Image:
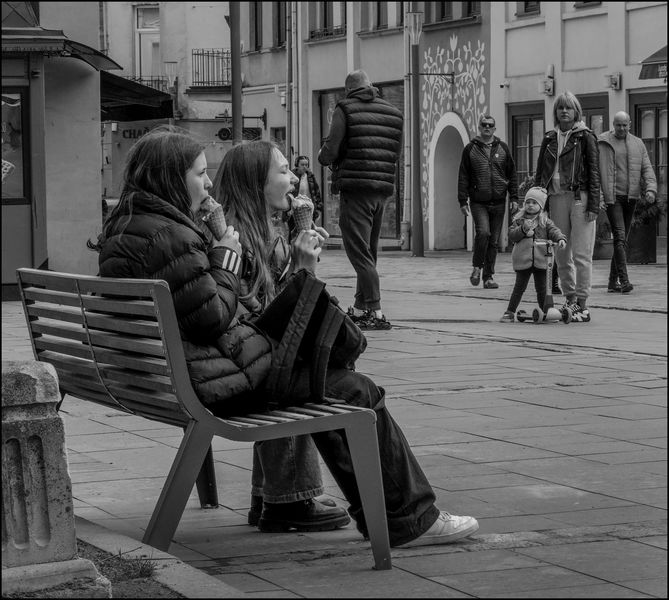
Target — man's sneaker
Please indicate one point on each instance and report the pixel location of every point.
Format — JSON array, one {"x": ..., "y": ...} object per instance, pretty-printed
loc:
[
  {"x": 446, "y": 529},
  {"x": 614, "y": 287},
  {"x": 507, "y": 317},
  {"x": 626, "y": 288},
  {"x": 579, "y": 314},
  {"x": 475, "y": 277},
  {"x": 557, "y": 290},
  {"x": 372, "y": 322},
  {"x": 489, "y": 284}
]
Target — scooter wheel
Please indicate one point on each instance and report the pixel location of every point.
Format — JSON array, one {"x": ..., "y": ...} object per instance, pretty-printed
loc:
[
  {"x": 537, "y": 315},
  {"x": 522, "y": 316},
  {"x": 566, "y": 316}
]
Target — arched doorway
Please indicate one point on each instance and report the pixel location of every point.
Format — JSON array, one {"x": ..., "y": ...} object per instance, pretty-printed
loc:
[{"x": 448, "y": 229}]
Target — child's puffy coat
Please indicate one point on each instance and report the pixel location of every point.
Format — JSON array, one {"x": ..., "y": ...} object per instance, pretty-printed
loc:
[{"x": 525, "y": 254}]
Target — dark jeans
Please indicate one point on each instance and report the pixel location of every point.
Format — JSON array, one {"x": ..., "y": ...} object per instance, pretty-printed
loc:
[
  {"x": 620, "y": 216},
  {"x": 360, "y": 219},
  {"x": 488, "y": 220},
  {"x": 410, "y": 508},
  {"x": 522, "y": 279}
]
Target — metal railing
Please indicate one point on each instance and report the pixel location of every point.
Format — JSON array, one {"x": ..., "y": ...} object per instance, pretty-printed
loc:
[
  {"x": 157, "y": 83},
  {"x": 211, "y": 67},
  {"x": 319, "y": 34}
]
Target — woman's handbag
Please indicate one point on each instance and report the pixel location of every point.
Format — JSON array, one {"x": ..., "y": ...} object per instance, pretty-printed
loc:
[{"x": 308, "y": 322}]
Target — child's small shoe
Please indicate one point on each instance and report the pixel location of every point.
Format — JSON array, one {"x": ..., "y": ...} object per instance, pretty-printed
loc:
[{"x": 507, "y": 317}]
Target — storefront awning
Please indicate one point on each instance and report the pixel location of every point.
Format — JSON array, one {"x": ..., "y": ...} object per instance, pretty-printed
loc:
[
  {"x": 52, "y": 42},
  {"x": 125, "y": 100},
  {"x": 655, "y": 66}
]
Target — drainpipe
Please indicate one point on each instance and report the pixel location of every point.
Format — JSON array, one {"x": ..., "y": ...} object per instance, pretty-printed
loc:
[
  {"x": 235, "y": 74},
  {"x": 296, "y": 75},
  {"x": 289, "y": 84}
]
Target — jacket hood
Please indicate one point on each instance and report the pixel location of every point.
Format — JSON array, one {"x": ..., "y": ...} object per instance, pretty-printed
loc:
[
  {"x": 578, "y": 126},
  {"x": 366, "y": 94}
]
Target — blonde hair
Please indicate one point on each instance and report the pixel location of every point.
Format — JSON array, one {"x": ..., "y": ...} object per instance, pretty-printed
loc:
[{"x": 569, "y": 100}]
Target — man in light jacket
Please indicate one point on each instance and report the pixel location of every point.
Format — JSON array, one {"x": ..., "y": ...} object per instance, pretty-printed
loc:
[{"x": 626, "y": 176}]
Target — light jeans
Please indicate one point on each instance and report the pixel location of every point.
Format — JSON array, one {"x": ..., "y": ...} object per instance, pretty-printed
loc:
[{"x": 574, "y": 261}]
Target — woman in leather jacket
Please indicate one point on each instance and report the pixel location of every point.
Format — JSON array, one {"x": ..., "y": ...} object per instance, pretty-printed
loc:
[{"x": 568, "y": 167}]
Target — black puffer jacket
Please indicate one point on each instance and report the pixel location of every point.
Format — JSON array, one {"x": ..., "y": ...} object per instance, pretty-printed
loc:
[
  {"x": 372, "y": 145},
  {"x": 486, "y": 179},
  {"x": 227, "y": 360}
]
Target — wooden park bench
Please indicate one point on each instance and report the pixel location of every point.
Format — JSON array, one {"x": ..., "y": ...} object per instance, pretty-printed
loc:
[{"x": 116, "y": 342}]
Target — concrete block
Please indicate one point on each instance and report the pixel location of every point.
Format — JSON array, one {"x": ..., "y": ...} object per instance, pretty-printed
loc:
[
  {"x": 76, "y": 578},
  {"x": 37, "y": 512}
]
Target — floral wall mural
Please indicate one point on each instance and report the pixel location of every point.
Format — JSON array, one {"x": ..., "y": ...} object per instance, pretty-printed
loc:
[{"x": 462, "y": 92}]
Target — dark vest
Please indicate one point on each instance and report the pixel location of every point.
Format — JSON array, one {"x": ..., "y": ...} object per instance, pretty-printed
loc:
[{"x": 373, "y": 144}]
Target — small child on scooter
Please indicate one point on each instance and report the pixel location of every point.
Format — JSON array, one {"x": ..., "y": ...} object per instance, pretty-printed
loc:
[{"x": 529, "y": 224}]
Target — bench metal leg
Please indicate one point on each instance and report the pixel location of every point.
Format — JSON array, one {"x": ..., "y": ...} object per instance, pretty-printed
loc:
[
  {"x": 178, "y": 486},
  {"x": 206, "y": 482},
  {"x": 364, "y": 446}
]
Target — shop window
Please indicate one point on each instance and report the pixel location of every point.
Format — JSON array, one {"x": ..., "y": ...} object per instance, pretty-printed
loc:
[
  {"x": 278, "y": 136},
  {"x": 527, "y": 132},
  {"x": 15, "y": 155},
  {"x": 651, "y": 127}
]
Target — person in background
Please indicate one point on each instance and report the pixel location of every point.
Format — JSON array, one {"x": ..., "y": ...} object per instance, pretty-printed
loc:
[
  {"x": 307, "y": 185},
  {"x": 487, "y": 173},
  {"x": 362, "y": 149},
  {"x": 529, "y": 224},
  {"x": 626, "y": 177},
  {"x": 568, "y": 167}
]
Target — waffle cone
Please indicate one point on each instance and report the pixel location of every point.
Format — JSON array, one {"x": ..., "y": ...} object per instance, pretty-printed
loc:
[
  {"x": 303, "y": 216},
  {"x": 215, "y": 220}
]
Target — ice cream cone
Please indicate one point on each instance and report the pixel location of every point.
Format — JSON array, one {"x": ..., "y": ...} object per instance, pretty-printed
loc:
[
  {"x": 303, "y": 213},
  {"x": 214, "y": 219}
]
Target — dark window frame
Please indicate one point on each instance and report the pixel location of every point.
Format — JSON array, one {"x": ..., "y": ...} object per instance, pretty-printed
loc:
[
  {"x": 255, "y": 26},
  {"x": 26, "y": 152},
  {"x": 279, "y": 20},
  {"x": 526, "y": 9}
]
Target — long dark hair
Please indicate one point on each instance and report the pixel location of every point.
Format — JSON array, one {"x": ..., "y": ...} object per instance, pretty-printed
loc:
[
  {"x": 239, "y": 185},
  {"x": 156, "y": 164}
]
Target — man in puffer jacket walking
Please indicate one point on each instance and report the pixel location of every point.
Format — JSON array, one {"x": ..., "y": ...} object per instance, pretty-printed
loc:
[
  {"x": 362, "y": 149},
  {"x": 487, "y": 173},
  {"x": 626, "y": 177}
]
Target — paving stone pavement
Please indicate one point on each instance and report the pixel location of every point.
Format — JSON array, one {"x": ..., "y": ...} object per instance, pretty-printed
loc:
[{"x": 553, "y": 436}]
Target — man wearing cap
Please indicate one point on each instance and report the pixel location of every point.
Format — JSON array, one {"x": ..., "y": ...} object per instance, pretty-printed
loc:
[
  {"x": 487, "y": 173},
  {"x": 362, "y": 149}
]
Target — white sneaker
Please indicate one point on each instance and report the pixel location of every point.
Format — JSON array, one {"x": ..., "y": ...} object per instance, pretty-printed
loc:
[{"x": 446, "y": 529}]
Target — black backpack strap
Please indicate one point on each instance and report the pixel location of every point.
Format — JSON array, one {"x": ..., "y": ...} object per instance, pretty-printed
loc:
[
  {"x": 332, "y": 322},
  {"x": 283, "y": 357}
]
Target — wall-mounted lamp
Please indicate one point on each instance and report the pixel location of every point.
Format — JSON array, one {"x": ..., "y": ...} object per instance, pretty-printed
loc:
[
  {"x": 614, "y": 81},
  {"x": 547, "y": 86},
  {"x": 504, "y": 84}
]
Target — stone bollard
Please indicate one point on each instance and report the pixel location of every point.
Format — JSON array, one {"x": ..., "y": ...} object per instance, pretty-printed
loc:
[{"x": 38, "y": 538}]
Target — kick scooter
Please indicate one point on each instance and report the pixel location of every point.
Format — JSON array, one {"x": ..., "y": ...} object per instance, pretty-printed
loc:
[{"x": 547, "y": 313}]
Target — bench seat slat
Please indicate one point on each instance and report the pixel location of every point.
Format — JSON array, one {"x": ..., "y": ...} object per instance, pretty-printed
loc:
[{"x": 103, "y": 355}]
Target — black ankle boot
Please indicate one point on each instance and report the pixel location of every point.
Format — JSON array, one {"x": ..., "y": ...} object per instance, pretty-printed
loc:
[
  {"x": 256, "y": 508},
  {"x": 304, "y": 515}
]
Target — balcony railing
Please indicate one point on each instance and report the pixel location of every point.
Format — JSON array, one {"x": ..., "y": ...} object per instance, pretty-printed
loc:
[
  {"x": 157, "y": 83},
  {"x": 211, "y": 67},
  {"x": 320, "y": 34}
]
